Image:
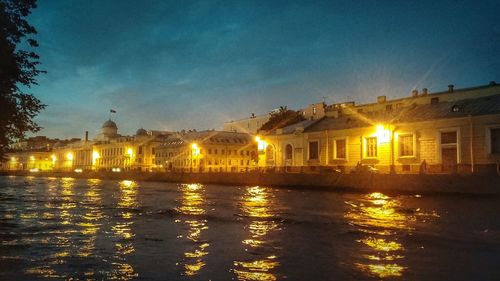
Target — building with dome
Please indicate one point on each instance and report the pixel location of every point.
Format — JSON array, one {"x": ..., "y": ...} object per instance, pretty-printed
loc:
[
  {"x": 109, "y": 130},
  {"x": 109, "y": 151}
]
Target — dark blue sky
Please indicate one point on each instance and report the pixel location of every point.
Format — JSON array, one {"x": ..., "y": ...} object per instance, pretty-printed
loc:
[{"x": 174, "y": 65}]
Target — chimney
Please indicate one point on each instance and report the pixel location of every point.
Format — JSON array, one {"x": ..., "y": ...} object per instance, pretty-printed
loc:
[
  {"x": 86, "y": 136},
  {"x": 414, "y": 93},
  {"x": 381, "y": 99},
  {"x": 450, "y": 88},
  {"x": 425, "y": 92}
]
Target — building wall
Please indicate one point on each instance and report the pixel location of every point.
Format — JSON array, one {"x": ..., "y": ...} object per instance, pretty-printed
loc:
[
  {"x": 208, "y": 151},
  {"x": 28, "y": 160},
  {"x": 426, "y": 146},
  {"x": 248, "y": 125}
]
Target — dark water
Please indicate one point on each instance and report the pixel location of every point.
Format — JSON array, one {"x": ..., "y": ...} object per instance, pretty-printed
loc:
[{"x": 72, "y": 229}]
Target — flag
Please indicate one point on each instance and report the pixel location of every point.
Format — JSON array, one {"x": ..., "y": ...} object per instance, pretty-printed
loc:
[{"x": 112, "y": 111}]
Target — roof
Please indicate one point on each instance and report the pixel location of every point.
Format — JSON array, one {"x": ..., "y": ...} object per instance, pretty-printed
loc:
[
  {"x": 413, "y": 113},
  {"x": 141, "y": 132},
  {"x": 109, "y": 124},
  {"x": 208, "y": 137}
]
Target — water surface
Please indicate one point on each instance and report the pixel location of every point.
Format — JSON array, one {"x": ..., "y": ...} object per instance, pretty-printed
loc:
[{"x": 78, "y": 229}]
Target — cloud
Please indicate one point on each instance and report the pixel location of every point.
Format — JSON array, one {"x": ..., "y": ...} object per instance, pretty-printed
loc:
[{"x": 195, "y": 64}]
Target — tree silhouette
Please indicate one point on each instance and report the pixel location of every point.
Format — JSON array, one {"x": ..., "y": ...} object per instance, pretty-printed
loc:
[
  {"x": 18, "y": 72},
  {"x": 281, "y": 118}
]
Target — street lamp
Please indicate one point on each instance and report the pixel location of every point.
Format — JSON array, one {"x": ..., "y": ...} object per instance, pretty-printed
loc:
[{"x": 195, "y": 151}]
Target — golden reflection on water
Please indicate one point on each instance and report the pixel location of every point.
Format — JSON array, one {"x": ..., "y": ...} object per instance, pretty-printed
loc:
[
  {"x": 91, "y": 218},
  {"x": 123, "y": 231},
  {"x": 256, "y": 204},
  {"x": 192, "y": 203},
  {"x": 379, "y": 216},
  {"x": 61, "y": 206}
]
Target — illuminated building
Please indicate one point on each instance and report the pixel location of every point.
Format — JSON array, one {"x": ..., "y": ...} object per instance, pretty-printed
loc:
[
  {"x": 207, "y": 151},
  {"x": 109, "y": 152},
  {"x": 446, "y": 132},
  {"x": 28, "y": 161},
  {"x": 112, "y": 151}
]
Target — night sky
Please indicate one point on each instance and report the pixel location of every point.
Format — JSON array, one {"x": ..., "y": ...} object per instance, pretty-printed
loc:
[{"x": 195, "y": 64}]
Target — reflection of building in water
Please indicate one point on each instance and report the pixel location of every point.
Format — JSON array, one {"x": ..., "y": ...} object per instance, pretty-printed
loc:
[
  {"x": 379, "y": 217},
  {"x": 91, "y": 219},
  {"x": 256, "y": 205},
  {"x": 192, "y": 204},
  {"x": 123, "y": 231},
  {"x": 61, "y": 198}
]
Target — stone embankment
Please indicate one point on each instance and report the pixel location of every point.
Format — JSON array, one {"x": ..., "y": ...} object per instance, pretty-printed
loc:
[{"x": 360, "y": 182}]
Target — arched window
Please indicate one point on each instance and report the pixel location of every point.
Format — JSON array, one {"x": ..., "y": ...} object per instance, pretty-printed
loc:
[
  {"x": 288, "y": 152},
  {"x": 270, "y": 152}
]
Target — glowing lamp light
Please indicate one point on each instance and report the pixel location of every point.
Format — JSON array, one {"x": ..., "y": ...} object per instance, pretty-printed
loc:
[
  {"x": 32, "y": 158},
  {"x": 53, "y": 157},
  {"x": 95, "y": 155},
  {"x": 130, "y": 152},
  {"x": 13, "y": 159},
  {"x": 195, "y": 149},
  {"x": 69, "y": 156},
  {"x": 383, "y": 134},
  {"x": 261, "y": 144}
]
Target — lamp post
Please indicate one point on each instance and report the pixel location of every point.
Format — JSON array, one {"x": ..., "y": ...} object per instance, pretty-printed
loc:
[{"x": 195, "y": 150}]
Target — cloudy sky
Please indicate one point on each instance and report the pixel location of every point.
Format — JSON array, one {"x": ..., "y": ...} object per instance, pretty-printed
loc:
[{"x": 172, "y": 65}]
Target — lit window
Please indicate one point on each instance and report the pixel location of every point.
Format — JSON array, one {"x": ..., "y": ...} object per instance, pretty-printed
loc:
[
  {"x": 340, "y": 149},
  {"x": 371, "y": 147},
  {"x": 313, "y": 150},
  {"x": 495, "y": 141},
  {"x": 406, "y": 145}
]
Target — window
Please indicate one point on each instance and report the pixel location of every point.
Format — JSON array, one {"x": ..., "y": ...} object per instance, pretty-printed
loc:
[
  {"x": 371, "y": 147},
  {"x": 270, "y": 152},
  {"x": 209, "y": 151},
  {"x": 495, "y": 141},
  {"x": 314, "y": 110},
  {"x": 313, "y": 150},
  {"x": 388, "y": 107},
  {"x": 406, "y": 145},
  {"x": 449, "y": 137},
  {"x": 340, "y": 149},
  {"x": 288, "y": 152}
]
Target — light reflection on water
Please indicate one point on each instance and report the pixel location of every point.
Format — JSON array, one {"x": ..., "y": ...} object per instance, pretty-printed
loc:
[
  {"x": 75, "y": 229},
  {"x": 256, "y": 205},
  {"x": 379, "y": 217},
  {"x": 192, "y": 204},
  {"x": 123, "y": 234}
]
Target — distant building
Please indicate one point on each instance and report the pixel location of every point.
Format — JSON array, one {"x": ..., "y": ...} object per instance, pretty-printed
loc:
[
  {"x": 207, "y": 151},
  {"x": 248, "y": 125},
  {"x": 446, "y": 132},
  {"x": 108, "y": 151}
]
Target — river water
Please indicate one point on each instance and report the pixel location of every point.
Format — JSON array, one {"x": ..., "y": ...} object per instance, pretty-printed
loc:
[{"x": 79, "y": 229}]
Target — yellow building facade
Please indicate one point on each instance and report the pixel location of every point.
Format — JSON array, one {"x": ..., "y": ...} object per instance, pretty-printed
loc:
[
  {"x": 207, "y": 151},
  {"x": 28, "y": 161},
  {"x": 454, "y": 131}
]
